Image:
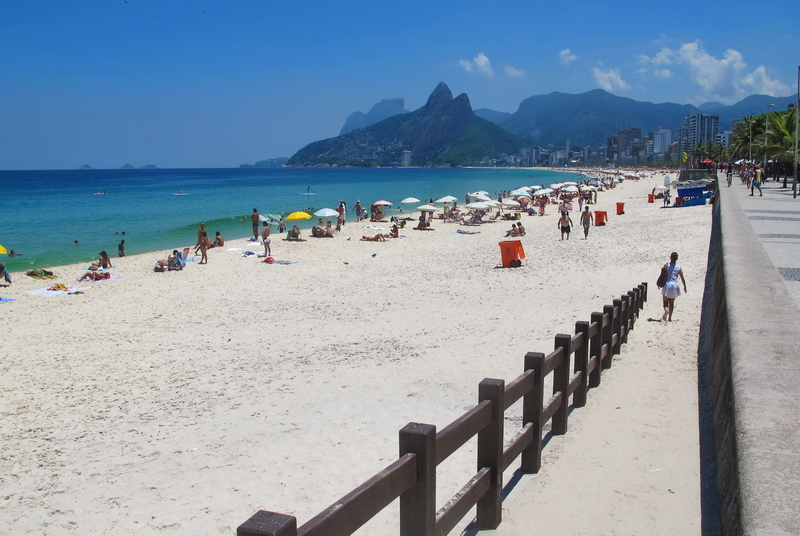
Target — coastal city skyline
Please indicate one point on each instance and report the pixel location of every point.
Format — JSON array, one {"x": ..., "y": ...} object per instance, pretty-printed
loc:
[{"x": 201, "y": 84}]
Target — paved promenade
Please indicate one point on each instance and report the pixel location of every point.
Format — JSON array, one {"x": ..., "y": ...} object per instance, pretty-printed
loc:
[
  {"x": 749, "y": 339},
  {"x": 775, "y": 218}
]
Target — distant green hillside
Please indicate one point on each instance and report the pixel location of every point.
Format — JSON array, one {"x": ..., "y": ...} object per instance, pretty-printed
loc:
[
  {"x": 443, "y": 132},
  {"x": 589, "y": 118}
]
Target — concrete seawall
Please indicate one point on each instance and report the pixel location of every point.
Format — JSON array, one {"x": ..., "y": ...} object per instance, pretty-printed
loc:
[{"x": 751, "y": 325}]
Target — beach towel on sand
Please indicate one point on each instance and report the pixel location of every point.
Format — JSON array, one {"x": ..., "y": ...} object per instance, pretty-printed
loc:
[
  {"x": 48, "y": 292},
  {"x": 270, "y": 260},
  {"x": 6, "y": 299}
]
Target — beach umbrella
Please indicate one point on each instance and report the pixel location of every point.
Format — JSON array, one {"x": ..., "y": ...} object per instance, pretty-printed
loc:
[
  {"x": 446, "y": 199},
  {"x": 519, "y": 191},
  {"x": 3, "y": 250},
  {"x": 382, "y": 203},
  {"x": 535, "y": 187},
  {"x": 569, "y": 183},
  {"x": 426, "y": 208},
  {"x": 543, "y": 191},
  {"x": 480, "y": 196},
  {"x": 300, "y": 215},
  {"x": 570, "y": 188},
  {"x": 662, "y": 187},
  {"x": 480, "y": 205},
  {"x": 409, "y": 201},
  {"x": 326, "y": 213},
  {"x": 510, "y": 203}
]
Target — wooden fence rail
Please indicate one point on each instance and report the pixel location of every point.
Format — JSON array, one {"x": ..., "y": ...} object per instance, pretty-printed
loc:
[{"x": 412, "y": 477}]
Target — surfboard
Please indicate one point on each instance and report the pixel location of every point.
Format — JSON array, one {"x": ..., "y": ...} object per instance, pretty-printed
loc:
[{"x": 308, "y": 192}]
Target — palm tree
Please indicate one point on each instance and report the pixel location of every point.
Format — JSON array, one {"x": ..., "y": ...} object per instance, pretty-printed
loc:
[{"x": 780, "y": 139}]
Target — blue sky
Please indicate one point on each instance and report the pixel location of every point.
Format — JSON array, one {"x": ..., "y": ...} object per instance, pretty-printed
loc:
[{"x": 196, "y": 83}]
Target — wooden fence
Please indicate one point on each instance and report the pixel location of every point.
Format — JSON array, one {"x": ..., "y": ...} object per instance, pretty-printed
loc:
[{"x": 412, "y": 477}]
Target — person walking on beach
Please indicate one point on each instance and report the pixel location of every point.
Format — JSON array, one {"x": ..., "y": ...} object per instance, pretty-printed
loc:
[
  {"x": 267, "y": 240},
  {"x": 121, "y": 249},
  {"x": 672, "y": 289},
  {"x": 254, "y": 217},
  {"x": 282, "y": 225},
  {"x": 565, "y": 223},
  {"x": 586, "y": 221}
]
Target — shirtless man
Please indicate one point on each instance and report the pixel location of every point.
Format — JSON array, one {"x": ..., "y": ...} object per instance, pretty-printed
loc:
[
  {"x": 254, "y": 218},
  {"x": 219, "y": 241},
  {"x": 565, "y": 222},
  {"x": 267, "y": 240},
  {"x": 586, "y": 220}
]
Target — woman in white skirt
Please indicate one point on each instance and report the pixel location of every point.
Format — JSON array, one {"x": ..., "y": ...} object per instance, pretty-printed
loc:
[{"x": 672, "y": 288}]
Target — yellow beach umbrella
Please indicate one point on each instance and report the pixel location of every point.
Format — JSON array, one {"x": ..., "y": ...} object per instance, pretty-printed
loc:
[
  {"x": 3, "y": 250},
  {"x": 300, "y": 215}
]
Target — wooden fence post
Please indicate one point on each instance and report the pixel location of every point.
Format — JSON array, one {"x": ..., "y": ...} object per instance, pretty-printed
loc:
[
  {"x": 595, "y": 349},
  {"x": 532, "y": 405},
  {"x": 418, "y": 504},
  {"x": 581, "y": 362},
  {"x": 561, "y": 383},
  {"x": 633, "y": 310},
  {"x": 264, "y": 523},
  {"x": 625, "y": 309},
  {"x": 644, "y": 294},
  {"x": 617, "y": 325},
  {"x": 608, "y": 332},
  {"x": 490, "y": 453}
]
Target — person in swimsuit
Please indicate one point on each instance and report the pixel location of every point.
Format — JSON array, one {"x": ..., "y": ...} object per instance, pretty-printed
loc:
[
  {"x": 254, "y": 218},
  {"x": 95, "y": 276},
  {"x": 121, "y": 249},
  {"x": 565, "y": 223},
  {"x": 103, "y": 262},
  {"x": 204, "y": 244},
  {"x": 219, "y": 241},
  {"x": 267, "y": 240},
  {"x": 586, "y": 220}
]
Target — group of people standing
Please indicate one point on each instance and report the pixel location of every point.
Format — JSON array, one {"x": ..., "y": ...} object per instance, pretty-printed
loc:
[{"x": 565, "y": 222}]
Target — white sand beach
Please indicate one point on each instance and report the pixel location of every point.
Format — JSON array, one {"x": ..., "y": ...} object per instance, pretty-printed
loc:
[{"x": 183, "y": 402}]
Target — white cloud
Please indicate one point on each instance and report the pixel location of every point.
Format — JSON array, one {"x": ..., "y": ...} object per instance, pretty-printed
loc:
[
  {"x": 480, "y": 64},
  {"x": 663, "y": 73},
  {"x": 609, "y": 79},
  {"x": 724, "y": 79},
  {"x": 514, "y": 72},
  {"x": 566, "y": 56}
]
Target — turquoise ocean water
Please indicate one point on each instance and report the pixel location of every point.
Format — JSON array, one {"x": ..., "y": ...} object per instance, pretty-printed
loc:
[{"x": 44, "y": 212}]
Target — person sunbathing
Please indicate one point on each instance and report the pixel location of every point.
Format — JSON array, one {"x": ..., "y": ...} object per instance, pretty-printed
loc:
[
  {"x": 95, "y": 276},
  {"x": 377, "y": 238},
  {"x": 395, "y": 232},
  {"x": 103, "y": 262}
]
